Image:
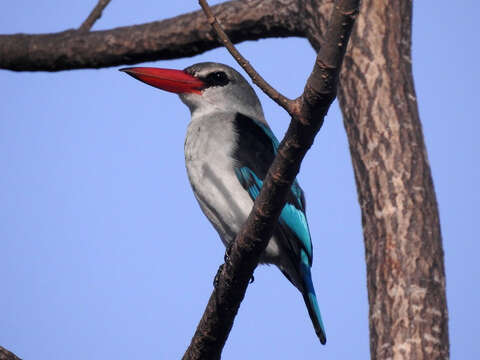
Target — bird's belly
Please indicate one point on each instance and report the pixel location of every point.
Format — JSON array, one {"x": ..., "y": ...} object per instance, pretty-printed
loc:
[
  {"x": 224, "y": 201},
  {"x": 220, "y": 191},
  {"x": 211, "y": 173}
]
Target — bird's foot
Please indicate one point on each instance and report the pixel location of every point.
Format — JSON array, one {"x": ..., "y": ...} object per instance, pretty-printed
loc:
[
  {"x": 252, "y": 279},
  {"x": 228, "y": 250},
  {"x": 217, "y": 276}
]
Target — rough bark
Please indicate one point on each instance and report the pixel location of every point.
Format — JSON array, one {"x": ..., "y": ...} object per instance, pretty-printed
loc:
[
  {"x": 403, "y": 244},
  {"x": 181, "y": 36},
  {"x": 7, "y": 355}
]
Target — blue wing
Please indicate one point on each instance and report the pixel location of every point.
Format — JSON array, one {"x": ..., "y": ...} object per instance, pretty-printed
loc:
[
  {"x": 291, "y": 217},
  {"x": 256, "y": 148}
]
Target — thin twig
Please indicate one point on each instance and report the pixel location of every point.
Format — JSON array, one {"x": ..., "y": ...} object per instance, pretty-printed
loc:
[
  {"x": 280, "y": 99},
  {"x": 94, "y": 15}
]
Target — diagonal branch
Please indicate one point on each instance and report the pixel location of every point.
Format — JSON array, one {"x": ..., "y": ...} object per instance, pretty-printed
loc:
[
  {"x": 251, "y": 241},
  {"x": 244, "y": 63},
  {"x": 94, "y": 15},
  {"x": 182, "y": 36},
  {"x": 7, "y": 355}
]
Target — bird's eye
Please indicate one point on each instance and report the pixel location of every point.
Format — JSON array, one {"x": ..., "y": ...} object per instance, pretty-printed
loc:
[{"x": 217, "y": 78}]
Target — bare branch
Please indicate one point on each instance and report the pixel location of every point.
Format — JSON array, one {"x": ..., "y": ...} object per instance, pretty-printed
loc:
[
  {"x": 213, "y": 329},
  {"x": 182, "y": 36},
  {"x": 94, "y": 15},
  {"x": 7, "y": 355},
  {"x": 244, "y": 63},
  {"x": 323, "y": 80}
]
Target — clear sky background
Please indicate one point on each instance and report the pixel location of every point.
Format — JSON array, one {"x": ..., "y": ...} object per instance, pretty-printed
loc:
[{"x": 105, "y": 253}]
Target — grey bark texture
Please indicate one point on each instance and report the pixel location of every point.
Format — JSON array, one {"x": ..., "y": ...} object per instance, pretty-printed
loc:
[
  {"x": 403, "y": 243},
  {"x": 403, "y": 246},
  {"x": 182, "y": 36}
]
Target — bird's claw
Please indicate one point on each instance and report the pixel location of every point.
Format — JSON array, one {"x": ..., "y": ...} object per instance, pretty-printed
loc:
[
  {"x": 226, "y": 257},
  {"x": 217, "y": 276}
]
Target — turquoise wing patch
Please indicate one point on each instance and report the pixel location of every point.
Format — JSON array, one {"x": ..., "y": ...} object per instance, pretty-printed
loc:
[{"x": 291, "y": 216}]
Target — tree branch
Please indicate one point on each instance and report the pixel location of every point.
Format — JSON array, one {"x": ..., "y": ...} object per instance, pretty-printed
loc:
[
  {"x": 94, "y": 15},
  {"x": 251, "y": 241},
  {"x": 182, "y": 36},
  {"x": 244, "y": 63},
  {"x": 7, "y": 355}
]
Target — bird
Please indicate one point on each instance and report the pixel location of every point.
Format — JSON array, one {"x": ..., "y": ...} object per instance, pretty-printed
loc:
[{"x": 229, "y": 148}]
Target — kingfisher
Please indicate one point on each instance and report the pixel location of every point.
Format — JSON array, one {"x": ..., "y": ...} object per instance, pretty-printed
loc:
[{"x": 229, "y": 148}]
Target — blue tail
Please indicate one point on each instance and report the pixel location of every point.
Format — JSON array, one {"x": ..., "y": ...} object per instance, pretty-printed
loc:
[{"x": 311, "y": 299}]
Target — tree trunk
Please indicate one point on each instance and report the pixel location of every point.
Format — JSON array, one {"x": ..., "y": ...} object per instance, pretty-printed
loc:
[{"x": 403, "y": 244}]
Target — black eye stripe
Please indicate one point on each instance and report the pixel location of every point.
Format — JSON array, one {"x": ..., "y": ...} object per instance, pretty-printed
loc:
[{"x": 217, "y": 78}]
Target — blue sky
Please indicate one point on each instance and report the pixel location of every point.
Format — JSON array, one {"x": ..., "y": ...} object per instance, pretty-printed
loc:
[{"x": 105, "y": 253}]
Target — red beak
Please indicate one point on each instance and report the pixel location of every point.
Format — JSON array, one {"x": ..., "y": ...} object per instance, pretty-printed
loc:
[{"x": 175, "y": 81}]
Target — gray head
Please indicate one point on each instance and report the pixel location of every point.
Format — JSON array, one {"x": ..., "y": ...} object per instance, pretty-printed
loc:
[
  {"x": 205, "y": 87},
  {"x": 225, "y": 90}
]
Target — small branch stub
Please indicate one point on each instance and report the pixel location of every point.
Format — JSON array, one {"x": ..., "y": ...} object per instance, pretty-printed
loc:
[
  {"x": 95, "y": 14},
  {"x": 7, "y": 355}
]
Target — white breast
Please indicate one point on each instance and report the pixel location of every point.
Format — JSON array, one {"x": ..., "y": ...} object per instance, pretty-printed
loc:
[{"x": 208, "y": 145}]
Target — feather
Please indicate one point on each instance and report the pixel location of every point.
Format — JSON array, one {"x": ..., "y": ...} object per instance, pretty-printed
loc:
[{"x": 256, "y": 148}]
